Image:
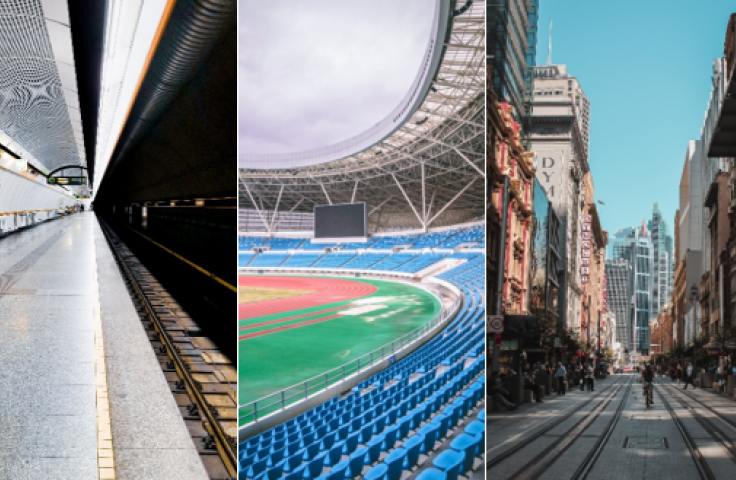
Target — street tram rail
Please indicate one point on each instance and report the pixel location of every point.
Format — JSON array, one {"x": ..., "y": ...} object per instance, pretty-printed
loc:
[
  {"x": 702, "y": 466},
  {"x": 563, "y": 416},
  {"x": 708, "y": 425}
]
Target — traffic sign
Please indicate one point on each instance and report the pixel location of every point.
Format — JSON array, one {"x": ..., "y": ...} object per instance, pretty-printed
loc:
[{"x": 495, "y": 323}]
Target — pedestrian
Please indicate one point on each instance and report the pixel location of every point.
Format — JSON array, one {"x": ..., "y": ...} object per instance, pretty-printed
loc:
[
  {"x": 500, "y": 394},
  {"x": 529, "y": 384},
  {"x": 689, "y": 375},
  {"x": 590, "y": 378},
  {"x": 560, "y": 375},
  {"x": 680, "y": 374}
]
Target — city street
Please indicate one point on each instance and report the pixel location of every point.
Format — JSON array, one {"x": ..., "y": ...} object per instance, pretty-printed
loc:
[{"x": 610, "y": 434}]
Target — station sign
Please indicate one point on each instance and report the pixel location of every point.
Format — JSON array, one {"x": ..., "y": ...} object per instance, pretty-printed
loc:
[
  {"x": 495, "y": 323},
  {"x": 67, "y": 180}
]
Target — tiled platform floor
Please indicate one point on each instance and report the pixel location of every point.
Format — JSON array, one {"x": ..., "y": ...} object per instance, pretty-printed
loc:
[{"x": 57, "y": 282}]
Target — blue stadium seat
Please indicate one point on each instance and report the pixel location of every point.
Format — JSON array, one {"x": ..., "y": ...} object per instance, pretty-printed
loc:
[
  {"x": 450, "y": 462},
  {"x": 476, "y": 428},
  {"x": 412, "y": 446},
  {"x": 430, "y": 432},
  {"x": 378, "y": 472},
  {"x": 314, "y": 467},
  {"x": 357, "y": 461},
  {"x": 431, "y": 474},
  {"x": 470, "y": 446},
  {"x": 395, "y": 463}
]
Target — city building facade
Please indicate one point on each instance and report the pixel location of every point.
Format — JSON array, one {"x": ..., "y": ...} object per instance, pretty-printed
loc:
[
  {"x": 511, "y": 53},
  {"x": 592, "y": 267},
  {"x": 619, "y": 273},
  {"x": 714, "y": 288},
  {"x": 661, "y": 328},
  {"x": 559, "y": 143},
  {"x": 634, "y": 244},
  {"x": 545, "y": 256},
  {"x": 663, "y": 265},
  {"x": 512, "y": 162}
]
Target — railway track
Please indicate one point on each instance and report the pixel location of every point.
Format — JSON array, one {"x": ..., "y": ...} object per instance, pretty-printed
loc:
[
  {"x": 202, "y": 380},
  {"x": 495, "y": 460}
]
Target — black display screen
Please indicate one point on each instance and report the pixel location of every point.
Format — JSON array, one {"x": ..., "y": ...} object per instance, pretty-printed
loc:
[{"x": 341, "y": 221}]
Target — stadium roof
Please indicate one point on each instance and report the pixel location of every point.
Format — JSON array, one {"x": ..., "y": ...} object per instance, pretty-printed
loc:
[{"x": 432, "y": 166}]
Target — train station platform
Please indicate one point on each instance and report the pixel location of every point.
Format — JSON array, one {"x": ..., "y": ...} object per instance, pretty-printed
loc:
[{"x": 83, "y": 395}]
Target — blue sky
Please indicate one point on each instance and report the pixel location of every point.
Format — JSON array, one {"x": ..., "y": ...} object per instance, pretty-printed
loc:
[{"x": 646, "y": 67}]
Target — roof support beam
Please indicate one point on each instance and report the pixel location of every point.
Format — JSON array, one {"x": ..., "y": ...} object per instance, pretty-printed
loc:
[
  {"x": 462, "y": 155},
  {"x": 355, "y": 190},
  {"x": 451, "y": 201},
  {"x": 276, "y": 209},
  {"x": 380, "y": 205},
  {"x": 326, "y": 195},
  {"x": 424, "y": 200},
  {"x": 255, "y": 205},
  {"x": 292, "y": 209},
  {"x": 409, "y": 201},
  {"x": 431, "y": 203}
]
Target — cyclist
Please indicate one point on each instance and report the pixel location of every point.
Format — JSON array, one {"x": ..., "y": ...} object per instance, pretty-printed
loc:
[{"x": 647, "y": 377}]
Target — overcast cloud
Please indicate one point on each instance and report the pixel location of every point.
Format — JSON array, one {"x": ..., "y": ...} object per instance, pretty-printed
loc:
[{"x": 313, "y": 73}]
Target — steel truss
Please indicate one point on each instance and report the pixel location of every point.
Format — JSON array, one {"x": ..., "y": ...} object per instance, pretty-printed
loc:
[{"x": 429, "y": 173}]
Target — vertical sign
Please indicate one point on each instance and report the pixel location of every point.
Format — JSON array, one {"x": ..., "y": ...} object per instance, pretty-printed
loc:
[{"x": 585, "y": 250}]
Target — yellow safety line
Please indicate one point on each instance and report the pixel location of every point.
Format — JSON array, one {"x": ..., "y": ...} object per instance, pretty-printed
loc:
[
  {"x": 191, "y": 264},
  {"x": 105, "y": 457}
]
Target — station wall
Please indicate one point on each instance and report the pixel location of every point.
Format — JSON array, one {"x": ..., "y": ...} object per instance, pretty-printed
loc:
[{"x": 25, "y": 202}]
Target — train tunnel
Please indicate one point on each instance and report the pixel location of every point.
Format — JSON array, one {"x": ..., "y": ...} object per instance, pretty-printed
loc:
[{"x": 118, "y": 214}]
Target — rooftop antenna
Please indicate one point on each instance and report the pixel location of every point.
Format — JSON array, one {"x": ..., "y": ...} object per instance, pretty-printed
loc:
[{"x": 549, "y": 47}]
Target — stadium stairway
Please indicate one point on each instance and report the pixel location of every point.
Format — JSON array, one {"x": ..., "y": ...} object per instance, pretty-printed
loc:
[{"x": 417, "y": 418}]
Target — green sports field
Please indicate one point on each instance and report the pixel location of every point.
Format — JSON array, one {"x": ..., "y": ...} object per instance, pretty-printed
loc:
[{"x": 320, "y": 324}]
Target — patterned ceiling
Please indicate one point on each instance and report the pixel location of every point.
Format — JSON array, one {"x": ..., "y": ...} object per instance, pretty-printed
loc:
[{"x": 39, "y": 102}]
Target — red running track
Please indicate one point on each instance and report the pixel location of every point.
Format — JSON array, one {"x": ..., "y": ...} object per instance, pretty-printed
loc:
[{"x": 329, "y": 290}]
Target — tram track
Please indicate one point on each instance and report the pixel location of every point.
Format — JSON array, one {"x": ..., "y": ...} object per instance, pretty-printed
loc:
[
  {"x": 702, "y": 466},
  {"x": 565, "y": 415},
  {"x": 706, "y": 423},
  {"x": 199, "y": 376},
  {"x": 592, "y": 457}
]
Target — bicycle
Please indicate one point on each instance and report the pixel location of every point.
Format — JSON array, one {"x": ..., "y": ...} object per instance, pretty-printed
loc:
[{"x": 648, "y": 393}]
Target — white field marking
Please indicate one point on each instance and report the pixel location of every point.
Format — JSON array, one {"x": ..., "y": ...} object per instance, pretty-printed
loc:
[
  {"x": 388, "y": 314},
  {"x": 361, "y": 310},
  {"x": 405, "y": 299}
]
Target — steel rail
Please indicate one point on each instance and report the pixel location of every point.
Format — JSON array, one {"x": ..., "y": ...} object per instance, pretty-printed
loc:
[
  {"x": 711, "y": 428},
  {"x": 592, "y": 457},
  {"x": 534, "y": 469},
  {"x": 703, "y": 469},
  {"x": 537, "y": 434},
  {"x": 225, "y": 447}
]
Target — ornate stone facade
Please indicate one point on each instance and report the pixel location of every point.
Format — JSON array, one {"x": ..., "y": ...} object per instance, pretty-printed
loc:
[{"x": 507, "y": 158}]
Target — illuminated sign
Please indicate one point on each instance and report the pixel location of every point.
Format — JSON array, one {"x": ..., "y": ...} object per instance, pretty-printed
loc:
[
  {"x": 67, "y": 180},
  {"x": 585, "y": 246}
]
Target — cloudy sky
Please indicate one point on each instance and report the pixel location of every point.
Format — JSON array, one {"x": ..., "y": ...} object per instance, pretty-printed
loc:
[{"x": 314, "y": 73}]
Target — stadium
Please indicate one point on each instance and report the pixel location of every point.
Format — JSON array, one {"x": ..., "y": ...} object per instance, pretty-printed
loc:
[{"x": 361, "y": 286}]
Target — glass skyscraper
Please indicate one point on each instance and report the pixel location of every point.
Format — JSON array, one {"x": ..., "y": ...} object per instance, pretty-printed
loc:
[
  {"x": 663, "y": 264},
  {"x": 634, "y": 245},
  {"x": 512, "y": 40}
]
